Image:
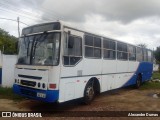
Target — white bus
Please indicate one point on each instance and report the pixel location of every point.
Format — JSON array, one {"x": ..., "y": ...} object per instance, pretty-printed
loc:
[{"x": 58, "y": 63}]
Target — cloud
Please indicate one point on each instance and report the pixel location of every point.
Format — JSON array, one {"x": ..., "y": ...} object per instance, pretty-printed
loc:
[
  {"x": 133, "y": 21},
  {"x": 124, "y": 11},
  {"x": 128, "y": 10},
  {"x": 136, "y": 32}
]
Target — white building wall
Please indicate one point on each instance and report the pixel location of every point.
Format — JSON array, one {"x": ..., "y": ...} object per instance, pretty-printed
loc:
[
  {"x": 1, "y": 59},
  {"x": 155, "y": 67},
  {"x": 8, "y": 66}
]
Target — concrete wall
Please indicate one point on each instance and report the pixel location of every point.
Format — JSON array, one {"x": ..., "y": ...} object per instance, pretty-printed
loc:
[
  {"x": 8, "y": 65},
  {"x": 155, "y": 67}
]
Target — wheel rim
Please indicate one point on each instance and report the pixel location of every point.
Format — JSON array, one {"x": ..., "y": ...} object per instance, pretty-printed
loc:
[{"x": 90, "y": 92}]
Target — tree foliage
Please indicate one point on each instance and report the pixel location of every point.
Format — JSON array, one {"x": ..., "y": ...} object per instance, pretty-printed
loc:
[
  {"x": 157, "y": 54},
  {"x": 143, "y": 45},
  {"x": 7, "y": 42}
]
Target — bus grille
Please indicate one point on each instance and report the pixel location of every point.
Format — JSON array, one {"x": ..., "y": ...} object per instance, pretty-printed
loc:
[
  {"x": 28, "y": 92},
  {"x": 28, "y": 83}
]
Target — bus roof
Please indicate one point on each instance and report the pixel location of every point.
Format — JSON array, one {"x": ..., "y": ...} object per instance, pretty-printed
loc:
[{"x": 65, "y": 25}]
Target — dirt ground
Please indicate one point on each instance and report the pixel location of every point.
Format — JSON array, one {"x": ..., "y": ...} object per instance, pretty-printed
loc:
[{"x": 127, "y": 99}]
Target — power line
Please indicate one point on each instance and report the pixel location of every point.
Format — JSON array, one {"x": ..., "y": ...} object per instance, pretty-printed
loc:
[
  {"x": 13, "y": 20},
  {"x": 23, "y": 13},
  {"x": 9, "y": 11},
  {"x": 47, "y": 11},
  {"x": 4, "y": 5},
  {"x": 19, "y": 12},
  {"x": 18, "y": 21},
  {"x": 7, "y": 7}
]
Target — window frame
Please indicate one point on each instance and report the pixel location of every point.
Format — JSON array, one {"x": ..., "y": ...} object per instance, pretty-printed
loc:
[
  {"x": 148, "y": 55},
  {"x": 93, "y": 47},
  {"x": 59, "y": 50},
  {"x": 134, "y": 47},
  {"x": 114, "y": 50},
  {"x": 140, "y": 54},
  {"x": 145, "y": 54},
  {"x": 81, "y": 57},
  {"x": 118, "y": 51}
]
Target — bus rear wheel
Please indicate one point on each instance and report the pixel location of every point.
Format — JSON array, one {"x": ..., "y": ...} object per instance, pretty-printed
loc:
[
  {"x": 89, "y": 93},
  {"x": 138, "y": 81}
]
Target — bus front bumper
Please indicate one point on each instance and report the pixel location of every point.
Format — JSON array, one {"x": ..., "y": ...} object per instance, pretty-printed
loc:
[{"x": 36, "y": 94}]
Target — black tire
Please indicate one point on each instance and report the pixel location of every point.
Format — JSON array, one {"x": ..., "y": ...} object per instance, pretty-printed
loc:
[
  {"x": 89, "y": 93},
  {"x": 138, "y": 81}
]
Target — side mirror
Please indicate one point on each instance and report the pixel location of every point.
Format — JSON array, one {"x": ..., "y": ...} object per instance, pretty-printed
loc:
[{"x": 70, "y": 42}]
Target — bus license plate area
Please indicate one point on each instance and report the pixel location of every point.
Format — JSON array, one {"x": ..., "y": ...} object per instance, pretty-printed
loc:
[{"x": 41, "y": 95}]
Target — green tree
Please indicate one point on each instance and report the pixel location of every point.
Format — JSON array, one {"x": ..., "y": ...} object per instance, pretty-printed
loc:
[
  {"x": 157, "y": 54},
  {"x": 7, "y": 42},
  {"x": 143, "y": 45}
]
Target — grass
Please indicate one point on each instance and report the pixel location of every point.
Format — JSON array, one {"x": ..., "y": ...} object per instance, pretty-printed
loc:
[
  {"x": 7, "y": 93},
  {"x": 152, "y": 84},
  {"x": 156, "y": 75}
]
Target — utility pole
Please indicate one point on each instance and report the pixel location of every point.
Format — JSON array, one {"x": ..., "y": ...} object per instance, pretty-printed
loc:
[{"x": 18, "y": 27}]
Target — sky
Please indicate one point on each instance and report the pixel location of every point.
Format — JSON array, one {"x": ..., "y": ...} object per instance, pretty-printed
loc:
[{"x": 131, "y": 21}]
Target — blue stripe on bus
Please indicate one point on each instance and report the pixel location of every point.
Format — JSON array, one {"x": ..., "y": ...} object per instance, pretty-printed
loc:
[
  {"x": 145, "y": 68},
  {"x": 51, "y": 95}
]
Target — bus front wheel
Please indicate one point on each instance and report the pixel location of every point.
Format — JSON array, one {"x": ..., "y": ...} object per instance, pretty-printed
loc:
[{"x": 89, "y": 93}]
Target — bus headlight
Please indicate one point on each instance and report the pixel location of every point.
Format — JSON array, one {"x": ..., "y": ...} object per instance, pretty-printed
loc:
[
  {"x": 43, "y": 85},
  {"x": 39, "y": 85}
]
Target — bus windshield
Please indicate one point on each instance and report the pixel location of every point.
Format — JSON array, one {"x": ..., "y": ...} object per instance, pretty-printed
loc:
[{"x": 40, "y": 49}]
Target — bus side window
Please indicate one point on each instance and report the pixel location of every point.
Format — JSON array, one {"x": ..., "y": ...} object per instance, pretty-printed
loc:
[
  {"x": 132, "y": 52},
  {"x": 139, "y": 54},
  {"x": 149, "y": 56},
  {"x": 145, "y": 56},
  {"x": 92, "y": 47},
  {"x": 109, "y": 49},
  {"x": 122, "y": 53},
  {"x": 72, "y": 50}
]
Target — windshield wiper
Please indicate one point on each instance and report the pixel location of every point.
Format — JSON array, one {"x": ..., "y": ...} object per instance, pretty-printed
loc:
[
  {"x": 31, "y": 54},
  {"x": 35, "y": 41}
]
